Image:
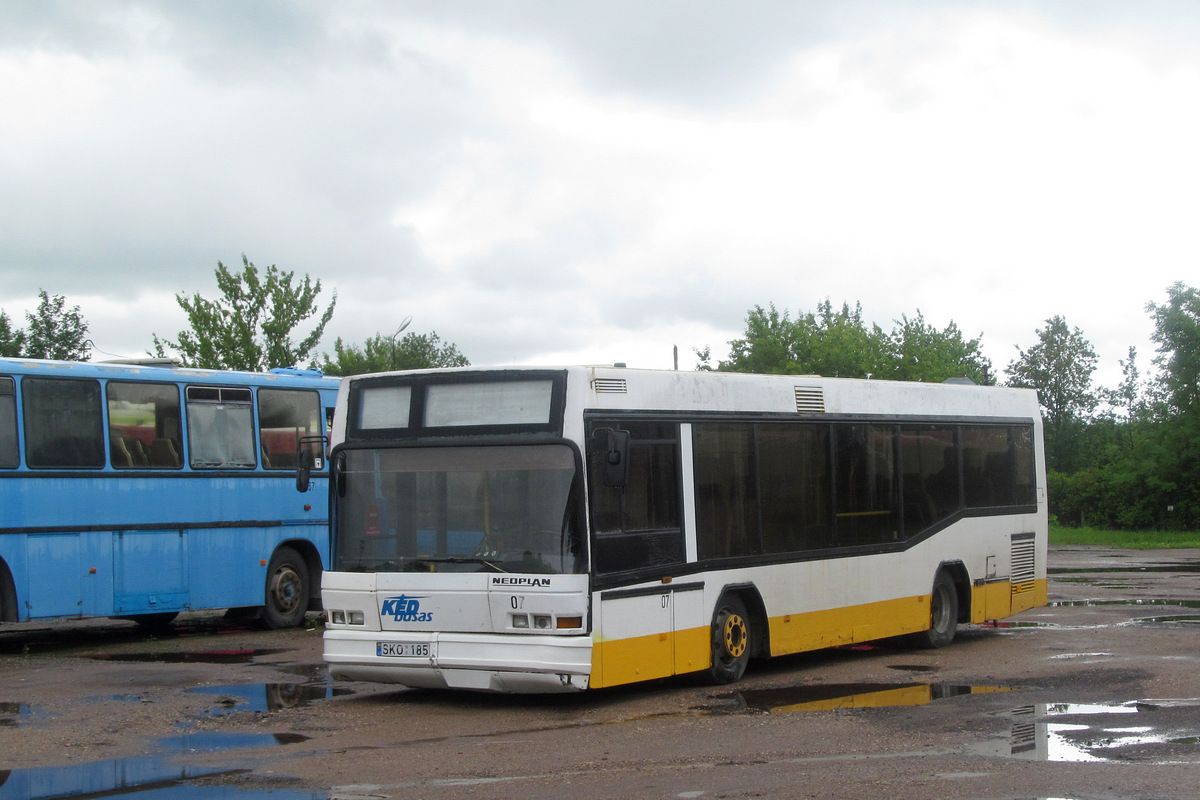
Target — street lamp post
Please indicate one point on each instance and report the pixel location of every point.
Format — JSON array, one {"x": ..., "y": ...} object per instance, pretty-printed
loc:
[{"x": 404, "y": 324}]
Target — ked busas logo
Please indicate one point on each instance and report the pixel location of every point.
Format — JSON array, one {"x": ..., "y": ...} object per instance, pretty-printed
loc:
[{"x": 405, "y": 609}]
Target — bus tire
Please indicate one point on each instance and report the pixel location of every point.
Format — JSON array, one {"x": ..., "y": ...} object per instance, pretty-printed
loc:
[
  {"x": 731, "y": 635},
  {"x": 8, "y": 596},
  {"x": 943, "y": 614},
  {"x": 287, "y": 590}
]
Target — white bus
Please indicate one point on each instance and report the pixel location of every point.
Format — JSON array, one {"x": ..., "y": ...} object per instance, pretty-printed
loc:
[{"x": 539, "y": 530}]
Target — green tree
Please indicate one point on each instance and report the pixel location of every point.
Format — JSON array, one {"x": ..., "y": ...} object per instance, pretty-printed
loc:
[
  {"x": 768, "y": 347},
  {"x": 250, "y": 326},
  {"x": 1177, "y": 333},
  {"x": 838, "y": 342},
  {"x": 54, "y": 331},
  {"x": 1060, "y": 368},
  {"x": 383, "y": 353},
  {"x": 828, "y": 341},
  {"x": 923, "y": 353},
  {"x": 12, "y": 342}
]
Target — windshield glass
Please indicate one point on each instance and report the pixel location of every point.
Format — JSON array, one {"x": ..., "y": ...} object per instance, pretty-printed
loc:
[{"x": 457, "y": 509}]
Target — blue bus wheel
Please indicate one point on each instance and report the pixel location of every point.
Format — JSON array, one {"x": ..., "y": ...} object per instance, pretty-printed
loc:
[{"x": 287, "y": 590}]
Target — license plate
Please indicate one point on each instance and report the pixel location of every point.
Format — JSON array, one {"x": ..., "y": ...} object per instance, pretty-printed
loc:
[{"x": 403, "y": 649}]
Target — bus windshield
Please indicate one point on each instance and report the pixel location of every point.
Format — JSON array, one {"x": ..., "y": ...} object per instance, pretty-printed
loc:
[{"x": 457, "y": 509}]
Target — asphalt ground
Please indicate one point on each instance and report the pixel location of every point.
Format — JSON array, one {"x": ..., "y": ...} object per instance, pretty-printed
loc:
[{"x": 1095, "y": 696}]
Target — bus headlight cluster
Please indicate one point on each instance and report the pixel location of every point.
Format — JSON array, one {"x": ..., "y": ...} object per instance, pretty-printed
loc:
[
  {"x": 545, "y": 622},
  {"x": 339, "y": 617}
]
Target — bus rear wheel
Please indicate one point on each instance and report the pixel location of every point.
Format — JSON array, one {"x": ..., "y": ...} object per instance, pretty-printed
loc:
[
  {"x": 730, "y": 640},
  {"x": 943, "y": 614},
  {"x": 287, "y": 590}
]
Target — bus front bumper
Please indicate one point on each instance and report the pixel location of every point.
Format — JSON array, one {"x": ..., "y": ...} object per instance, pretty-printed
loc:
[{"x": 481, "y": 662}]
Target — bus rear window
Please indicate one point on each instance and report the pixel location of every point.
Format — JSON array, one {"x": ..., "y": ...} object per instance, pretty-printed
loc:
[{"x": 63, "y": 424}]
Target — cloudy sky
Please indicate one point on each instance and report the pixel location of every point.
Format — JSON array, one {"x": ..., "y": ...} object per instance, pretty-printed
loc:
[{"x": 541, "y": 181}]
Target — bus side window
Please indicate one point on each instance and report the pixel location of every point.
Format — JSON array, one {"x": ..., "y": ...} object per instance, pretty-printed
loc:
[
  {"x": 220, "y": 427},
  {"x": 143, "y": 425},
  {"x": 63, "y": 423},
  {"x": 637, "y": 525},
  {"x": 284, "y": 415},
  {"x": 9, "y": 456}
]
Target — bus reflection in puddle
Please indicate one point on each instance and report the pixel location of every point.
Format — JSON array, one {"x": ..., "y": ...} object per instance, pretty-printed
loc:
[
  {"x": 155, "y": 775},
  {"x": 795, "y": 699},
  {"x": 1158, "y": 732},
  {"x": 1146, "y": 731},
  {"x": 266, "y": 697}
]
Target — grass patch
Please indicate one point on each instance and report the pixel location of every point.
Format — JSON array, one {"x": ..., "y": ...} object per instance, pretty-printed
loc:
[{"x": 1129, "y": 540}]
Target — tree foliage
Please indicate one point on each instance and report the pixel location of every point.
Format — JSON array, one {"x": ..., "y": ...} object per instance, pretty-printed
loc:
[
  {"x": 250, "y": 327},
  {"x": 12, "y": 340},
  {"x": 53, "y": 331},
  {"x": 56, "y": 332},
  {"x": 838, "y": 342},
  {"x": 1177, "y": 333},
  {"x": 1060, "y": 367},
  {"x": 384, "y": 353}
]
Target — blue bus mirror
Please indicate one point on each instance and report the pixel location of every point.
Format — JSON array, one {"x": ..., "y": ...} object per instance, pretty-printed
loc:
[{"x": 306, "y": 462}]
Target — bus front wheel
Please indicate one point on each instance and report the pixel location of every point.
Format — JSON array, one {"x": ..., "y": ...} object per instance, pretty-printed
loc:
[
  {"x": 287, "y": 590},
  {"x": 730, "y": 640}
]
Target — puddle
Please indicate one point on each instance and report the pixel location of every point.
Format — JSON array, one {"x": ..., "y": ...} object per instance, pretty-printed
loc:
[
  {"x": 194, "y": 657},
  {"x": 14, "y": 715},
  {"x": 1152, "y": 731},
  {"x": 155, "y": 776},
  {"x": 794, "y": 699},
  {"x": 1126, "y": 602},
  {"x": 1182, "y": 567},
  {"x": 267, "y": 697}
]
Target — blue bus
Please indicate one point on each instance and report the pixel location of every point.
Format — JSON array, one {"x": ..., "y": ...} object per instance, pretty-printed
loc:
[{"x": 139, "y": 491}]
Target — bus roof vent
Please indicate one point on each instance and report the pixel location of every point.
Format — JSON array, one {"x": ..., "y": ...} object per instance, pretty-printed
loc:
[
  {"x": 609, "y": 386},
  {"x": 810, "y": 400}
]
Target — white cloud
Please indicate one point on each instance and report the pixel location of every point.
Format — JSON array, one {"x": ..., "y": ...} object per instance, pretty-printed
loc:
[{"x": 553, "y": 183}]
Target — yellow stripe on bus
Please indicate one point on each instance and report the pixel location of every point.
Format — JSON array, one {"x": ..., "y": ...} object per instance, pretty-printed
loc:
[{"x": 660, "y": 655}]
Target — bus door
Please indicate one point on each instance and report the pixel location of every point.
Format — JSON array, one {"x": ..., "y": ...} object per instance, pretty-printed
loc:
[
  {"x": 637, "y": 534},
  {"x": 651, "y": 632},
  {"x": 57, "y": 555},
  {"x": 150, "y": 571}
]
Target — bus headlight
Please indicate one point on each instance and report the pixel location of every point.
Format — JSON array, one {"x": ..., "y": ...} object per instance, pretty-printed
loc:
[
  {"x": 520, "y": 621},
  {"x": 541, "y": 622}
]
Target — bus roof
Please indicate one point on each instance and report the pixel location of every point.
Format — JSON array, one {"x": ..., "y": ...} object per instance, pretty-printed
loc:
[{"x": 161, "y": 372}]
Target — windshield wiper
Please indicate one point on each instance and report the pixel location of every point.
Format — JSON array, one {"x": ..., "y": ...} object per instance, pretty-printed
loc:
[{"x": 459, "y": 560}]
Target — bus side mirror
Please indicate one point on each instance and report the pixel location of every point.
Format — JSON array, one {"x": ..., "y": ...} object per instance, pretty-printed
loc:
[
  {"x": 616, "y": 459},
  {"x": 306, "y": 462}
]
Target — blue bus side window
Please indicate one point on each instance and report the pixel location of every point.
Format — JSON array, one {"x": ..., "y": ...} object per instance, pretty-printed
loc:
[
  {"x": 9, "y": 457},
  {"x": 63, "y": 424},
  {"x": 284, "y": 415},
  {"x": 220, "y": 427},
  {"x": 144, "y": 429}
]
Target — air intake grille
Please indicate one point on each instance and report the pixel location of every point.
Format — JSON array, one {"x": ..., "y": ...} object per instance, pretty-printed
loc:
[
  {"x": 1023, "y": 571},
  {"x": 810, "y": 400},
  {"x": 609, "y": 386}
]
